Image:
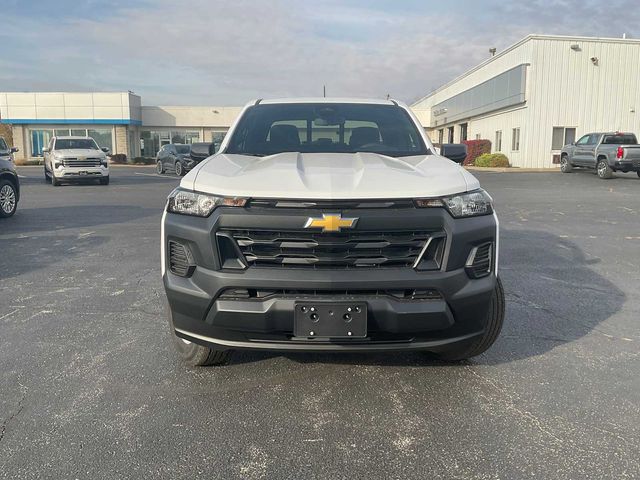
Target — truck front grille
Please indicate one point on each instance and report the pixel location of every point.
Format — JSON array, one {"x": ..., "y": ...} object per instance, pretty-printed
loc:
[
  {"x": 84, "y": 162},
  {"x": 306, "y": 249}
]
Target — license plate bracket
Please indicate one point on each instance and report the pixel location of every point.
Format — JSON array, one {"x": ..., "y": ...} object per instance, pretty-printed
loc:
[{"x": 330, "y": 320}]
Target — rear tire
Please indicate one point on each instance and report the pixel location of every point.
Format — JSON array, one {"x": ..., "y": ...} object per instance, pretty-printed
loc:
[
  {"x": 603, "y": 169},
  {"x": 565, "y": 166},
  {"x": 495, "y": 319},
  {"x": 47, "y": 178},
  {"x": 159, "y": 168}
]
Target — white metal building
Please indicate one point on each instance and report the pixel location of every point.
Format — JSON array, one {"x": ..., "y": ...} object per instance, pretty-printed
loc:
[
  {"x": 116, "y": 120},
  {"x": 539, "y": 94}
]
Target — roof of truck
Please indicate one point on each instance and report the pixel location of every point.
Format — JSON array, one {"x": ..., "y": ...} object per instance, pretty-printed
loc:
[{"x": 374, "y": 101}]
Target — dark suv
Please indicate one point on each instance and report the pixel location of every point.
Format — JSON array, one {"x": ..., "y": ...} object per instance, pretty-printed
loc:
[
  {"x": 6, "y": 152},
  {"x": 9, "y": 188}
]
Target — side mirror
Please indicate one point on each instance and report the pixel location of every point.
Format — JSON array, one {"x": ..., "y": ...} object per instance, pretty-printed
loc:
[
  {"x": 454, "y": 151},
  {"x": 105, "y": 149},
  {"x": 45, "y": 150},
  {"x": 14, "y": 149}
]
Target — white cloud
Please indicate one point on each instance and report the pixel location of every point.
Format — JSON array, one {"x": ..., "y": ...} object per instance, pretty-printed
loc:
[{"x": 200, "y": 51}]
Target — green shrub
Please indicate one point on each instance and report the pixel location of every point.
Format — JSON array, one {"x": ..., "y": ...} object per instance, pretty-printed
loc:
[
  {"x": 492, "y": 160},
  {"x": 475, "y": 148}
]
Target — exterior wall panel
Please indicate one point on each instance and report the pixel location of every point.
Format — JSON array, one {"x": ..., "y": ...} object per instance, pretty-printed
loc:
[{"x": 564, "y": 89}]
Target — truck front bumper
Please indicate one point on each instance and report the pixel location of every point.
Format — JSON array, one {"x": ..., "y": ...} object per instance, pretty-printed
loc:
[
  {"x": 407, "y": 309},
  {"x": 455, "y": 311},
  {"x": 80, "y": 173}
]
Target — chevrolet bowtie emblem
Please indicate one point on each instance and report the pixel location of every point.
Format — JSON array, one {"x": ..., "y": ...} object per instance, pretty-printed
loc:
[{"x": 331, "y": 222}]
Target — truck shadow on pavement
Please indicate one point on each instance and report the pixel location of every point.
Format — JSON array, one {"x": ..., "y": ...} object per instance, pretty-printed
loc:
[{"x": 553, "y": 296}]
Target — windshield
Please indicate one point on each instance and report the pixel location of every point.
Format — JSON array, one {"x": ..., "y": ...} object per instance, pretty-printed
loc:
[
  {"x": 182, "y": 149},
  {"x": 326, "y": 128},
  {"x": 3, "y": 145},
  {"x": 76, "y": 143}
]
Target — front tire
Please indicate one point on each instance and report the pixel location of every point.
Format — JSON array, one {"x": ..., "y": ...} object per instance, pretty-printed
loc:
[
  {"x": 179, "y": 169},
  {"x": 196, "y": 355},
  {"x": 8, "y": 199},
  {"x": 638, "y": 173},
  {"x": 604, "y": 170},
  {"x": 159, "y": 168},
  {"x": 495, "y": 319},
  {"x": 565, "y": 166},
  {"x": 104, "y": 180},
  {"x": 54, "y": 181}
]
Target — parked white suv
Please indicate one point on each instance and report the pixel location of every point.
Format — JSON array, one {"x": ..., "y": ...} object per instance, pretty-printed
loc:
[{"x": 75, "y": 158}]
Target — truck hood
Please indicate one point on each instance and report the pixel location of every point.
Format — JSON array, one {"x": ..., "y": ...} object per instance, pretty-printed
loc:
[
  {"x": 80, "y": 152},
  {"x": 329, "y": 176}
]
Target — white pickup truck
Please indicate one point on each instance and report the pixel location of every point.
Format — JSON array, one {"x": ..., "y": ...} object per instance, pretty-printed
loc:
[
  {"x": 68, "y": 159},
  {"x": 331, "y": 225}
]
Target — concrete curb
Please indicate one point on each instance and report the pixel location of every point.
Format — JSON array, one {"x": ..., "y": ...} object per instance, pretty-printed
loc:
[{"x": 513, "y": 170}]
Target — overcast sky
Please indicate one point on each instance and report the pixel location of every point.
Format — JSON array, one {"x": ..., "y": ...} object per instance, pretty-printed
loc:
[{"x": 190, "y": 52}]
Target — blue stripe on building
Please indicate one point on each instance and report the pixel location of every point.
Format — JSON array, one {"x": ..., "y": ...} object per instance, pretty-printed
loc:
[{"x": 51, "y": 121}]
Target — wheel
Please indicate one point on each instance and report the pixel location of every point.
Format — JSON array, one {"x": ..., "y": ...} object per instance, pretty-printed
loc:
[
  {"x": 495, "y": 319},
  {"x": 565, "y": 166},
  {"x": 54, "y": 181},
  {"x": 47, "y": 178},
  {"x": 159, "y": 168},
  {"x": 196, "y": 355},
  {"x": 638, "y": 173},
  {"x": 104, "y": 180},
  {"x": 179, "y": 169},
  {"x": 604, "y": 170},
  {"x": 8, "y": 199}
]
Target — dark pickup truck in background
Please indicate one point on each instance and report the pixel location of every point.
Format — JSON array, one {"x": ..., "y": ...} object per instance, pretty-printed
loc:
[{"x": 605, "y": 152}]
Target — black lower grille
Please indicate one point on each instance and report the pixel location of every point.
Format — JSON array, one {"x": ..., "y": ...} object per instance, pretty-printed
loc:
[
  {"x": 180, "y": 260},
  {"x": 480, "y": 261},
  {"x": 329, "y": 250},
  {"x": 261, "y": 294}
]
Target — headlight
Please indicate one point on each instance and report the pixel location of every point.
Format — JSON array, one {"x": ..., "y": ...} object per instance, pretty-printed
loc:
[
  {"x": 470, "y": 204},
  {"x": 186, "y": 202}
]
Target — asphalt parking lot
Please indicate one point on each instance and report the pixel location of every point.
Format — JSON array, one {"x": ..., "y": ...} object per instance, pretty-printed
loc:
[{"x": 90, "y": 386}]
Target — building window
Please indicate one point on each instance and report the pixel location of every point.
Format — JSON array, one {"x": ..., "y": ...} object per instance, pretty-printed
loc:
[
  {"x": 562, "y": 136},
  {"x": 450, "y": 135},
  {"x": 498, "y": 145},
  {"x": 39, "y": 140},
  {"x": 463, "y": 132},
  {"x": 477, "y": 136},
  {"x": 440, "y": 136},
  {"x": 515, "y": 139},
  {"x": 102, "y": 136},
  {"x": 152, "y": 140}
]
